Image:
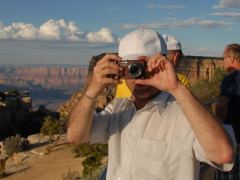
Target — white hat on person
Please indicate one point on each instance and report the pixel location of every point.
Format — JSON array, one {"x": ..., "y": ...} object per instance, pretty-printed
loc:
[
  {"x": 141, "y": 42},
  {"x": 172, "y": 43}
]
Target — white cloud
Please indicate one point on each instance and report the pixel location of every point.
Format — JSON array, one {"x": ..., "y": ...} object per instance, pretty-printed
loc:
[
  {"x": 104, "y": 35},
  {"x": 178, "y": 23},
  {"x": 19, "y": 31},
  {"x": 59, "y": 30},
  {"x": 228, "y": 4},
  {"x": 206, "y": 23},
  {"x": 1, "y": 25},
  {"x": 54, "y": 30},
  {"x": 160, "y": 6},
  {"x": 227, "y": 14},
  {"x": 202, "y": 51}
]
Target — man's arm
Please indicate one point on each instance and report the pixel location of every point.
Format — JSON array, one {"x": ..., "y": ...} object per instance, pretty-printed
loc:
[
  {"x": 80, "y": 119},
  {"x": 206, "y": 127},
  {"x": 208, "y": 130}
]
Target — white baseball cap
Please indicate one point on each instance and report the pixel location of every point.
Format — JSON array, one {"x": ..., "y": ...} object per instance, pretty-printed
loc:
[
  {"x": 141, "y": 42},
  {"x": 172, "y": 43}
]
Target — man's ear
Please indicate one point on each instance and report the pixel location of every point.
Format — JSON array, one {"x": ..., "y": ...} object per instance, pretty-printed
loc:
[
  {"x": 175, "y": 58},
  {"x": 233, "y": 59}
]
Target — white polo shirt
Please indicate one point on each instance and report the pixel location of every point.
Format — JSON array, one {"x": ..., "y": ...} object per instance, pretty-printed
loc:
[{"x": 154, "y": 143}]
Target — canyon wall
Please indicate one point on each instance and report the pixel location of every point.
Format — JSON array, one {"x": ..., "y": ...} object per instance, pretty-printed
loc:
[
  {"x": 43, "y": 76},
  {"x": 73, "y": 77},
  {"x": 197, "y": 67}
]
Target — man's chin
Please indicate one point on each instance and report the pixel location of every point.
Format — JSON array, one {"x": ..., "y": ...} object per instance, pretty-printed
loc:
[
  {"x": 141, "y": 87},
  {"x": 144, "y": 91}
]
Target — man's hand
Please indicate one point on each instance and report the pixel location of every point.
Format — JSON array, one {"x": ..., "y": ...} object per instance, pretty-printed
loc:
[
  {"x": 104, "y": 73},
  {"x": 80, "y": 119},
  {"x": 162, "y": 73}
]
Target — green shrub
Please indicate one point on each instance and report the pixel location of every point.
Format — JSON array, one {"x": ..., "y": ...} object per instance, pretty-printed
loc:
[
  {"x": 71, "y": 175},
  {"x": 64, "y": 119},
  {"x": 101, "y": 149},
  {"x": 51, "y": 126},
  {"x": 13, "y": 92},
  {"x": 14, "y": 144},
  {"x": 3, "y": 174},
  {"x": 94, "y": 154},
  {"x": 209, "y": 89},
  {"x": 75, "y": 175},
  {"x": 91, "y": 164},
  {"x": 94, "y": 175},
  {"x": 87, "y": 149},
  {"x": 82, "y": 150}
]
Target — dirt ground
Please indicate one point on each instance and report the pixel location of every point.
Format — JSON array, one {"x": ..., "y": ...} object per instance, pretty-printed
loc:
[{"x": 51, "y": 166}]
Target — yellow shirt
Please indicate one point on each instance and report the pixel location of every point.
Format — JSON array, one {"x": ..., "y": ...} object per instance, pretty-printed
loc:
[
  {"x": 184, "y": 80},
  {"x": 124, "y": 92}
]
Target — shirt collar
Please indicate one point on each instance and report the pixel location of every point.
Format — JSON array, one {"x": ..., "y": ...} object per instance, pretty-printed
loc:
[{"x": 161, "y": 100}]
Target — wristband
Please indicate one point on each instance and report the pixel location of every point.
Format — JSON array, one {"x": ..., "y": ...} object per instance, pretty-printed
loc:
[{"x": 89, "y": 97}]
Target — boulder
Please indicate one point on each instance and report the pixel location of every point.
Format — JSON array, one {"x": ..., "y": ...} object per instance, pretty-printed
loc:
[
  {"x": 19, "y": 157},
  {"x": 37, "y": 138}
]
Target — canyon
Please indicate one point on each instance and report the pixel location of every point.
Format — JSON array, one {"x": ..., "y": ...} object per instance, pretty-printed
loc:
[
  {"x": 46, "y": 88},
  {"x": 48, "y": 85}
]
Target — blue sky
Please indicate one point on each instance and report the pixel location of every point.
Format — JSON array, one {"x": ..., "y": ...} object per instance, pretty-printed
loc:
[{"x": 71, "y": 31}]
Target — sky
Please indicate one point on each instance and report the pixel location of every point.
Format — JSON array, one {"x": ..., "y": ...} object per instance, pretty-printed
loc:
[{"x": 72, "y": 31}]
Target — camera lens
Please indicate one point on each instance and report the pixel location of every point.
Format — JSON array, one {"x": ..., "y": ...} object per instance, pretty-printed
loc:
[{"x": 135, "y": 70}]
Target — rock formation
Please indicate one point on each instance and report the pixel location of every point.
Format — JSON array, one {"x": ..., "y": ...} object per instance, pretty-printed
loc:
[
  {"x": 196, "y": 68},
  {"x": 16, "y": 115},
  {"x": 73, "y": 77}
]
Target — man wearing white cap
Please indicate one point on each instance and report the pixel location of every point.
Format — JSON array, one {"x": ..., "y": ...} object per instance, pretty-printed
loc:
[
  {"x": 162, "y": 131},
  {"x": 175, "y": 54}
]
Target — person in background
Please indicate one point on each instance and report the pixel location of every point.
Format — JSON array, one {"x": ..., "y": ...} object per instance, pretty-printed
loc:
[
  {"x": 122, "y": 90},
  {"x": 162, "y": 131},
  {"x": 175, "y": 54},
  {"x": 228, "y": 106}
]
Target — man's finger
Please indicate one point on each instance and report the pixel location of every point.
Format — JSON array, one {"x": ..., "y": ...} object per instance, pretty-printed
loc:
[
  {"x": 110, "y": 81},
  {"x": 109, "y": 57},
  {"x": 146, "y": 58}
]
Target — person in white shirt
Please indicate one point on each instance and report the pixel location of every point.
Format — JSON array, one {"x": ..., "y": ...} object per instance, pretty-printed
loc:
[{"x": 162, "y": 131}]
